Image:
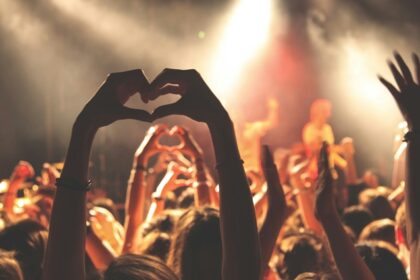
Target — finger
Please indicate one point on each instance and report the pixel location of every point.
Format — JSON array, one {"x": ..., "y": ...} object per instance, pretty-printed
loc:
[
  {"x": 267, "y": 157},
  {"x": 166, "y": 110},
  {"x": 417, "y": 66},
  {"x": 395, "y": 93},
  {"x": 397, "y": 76},
  {"x": 404, "y": 68},
  {"x": 167, "y": 89},
  {"x": 135, "y": 114},
  {"x": 167, "y": 76}
]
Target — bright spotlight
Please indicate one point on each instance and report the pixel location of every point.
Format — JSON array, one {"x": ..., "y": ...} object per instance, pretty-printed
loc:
[{"x": 246, "y": 32}]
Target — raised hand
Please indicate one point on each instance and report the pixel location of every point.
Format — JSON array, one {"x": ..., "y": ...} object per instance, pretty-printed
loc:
[
  {"x": 407, "y": 92},
  {"x": 324, "y": 202},
  {"x": 149, "y": 146},
  {"x": 197, "y": 100},
  {"x": 22, "y": 171},
  {"x": 189, "y": 146},
  {"x": 277, "y": 207},
  {"x": 107, "y": 106},
  {"x": 276, "y": 197}
]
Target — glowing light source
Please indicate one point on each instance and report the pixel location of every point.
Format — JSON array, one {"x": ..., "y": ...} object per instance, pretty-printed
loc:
[{"x": 246, "y": 32}]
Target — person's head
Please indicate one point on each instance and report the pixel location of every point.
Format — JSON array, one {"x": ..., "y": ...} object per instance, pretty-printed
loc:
[
  {"x": 357, "y": 217},
  {"x": 156, "y": 244},
  {"x": 186, "y": 199},
  {"x": 196, "y": 249},
  {"x": 28, "y": 239},
  {"x": 381, "y": 260},
  {"x": 377, "y": 202},
  {"x": 401, "y": 227},
  {"x": 300, "y": 252},
  {"x": 320, "y": 111},
  {"x": 383, "y": 229},
  {"x": 138, "y": 267},
  {"x": 317, "y": 276},
  {"x": 371, "y": 179},
  {"x": 9, "y": 267},
  {"x": 164, "y": 223}
]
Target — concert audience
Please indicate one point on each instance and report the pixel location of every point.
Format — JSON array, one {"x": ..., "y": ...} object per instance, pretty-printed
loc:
[{"x": 291, "y": 217}]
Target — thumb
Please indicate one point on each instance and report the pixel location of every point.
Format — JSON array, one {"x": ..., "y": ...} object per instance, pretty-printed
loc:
[
  {"x": 135, "y": 114},
  {"x": 166, "y": 110}
]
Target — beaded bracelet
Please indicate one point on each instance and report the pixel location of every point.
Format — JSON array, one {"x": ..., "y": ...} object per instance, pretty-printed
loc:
[{"x": 73, "y": 184}]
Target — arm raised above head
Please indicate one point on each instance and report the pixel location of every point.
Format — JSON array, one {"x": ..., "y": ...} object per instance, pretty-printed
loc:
[{"x": 65, "y": 254}]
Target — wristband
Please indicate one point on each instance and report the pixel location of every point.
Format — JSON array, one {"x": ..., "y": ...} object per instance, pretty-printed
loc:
[{"x": 73, "y": 185}]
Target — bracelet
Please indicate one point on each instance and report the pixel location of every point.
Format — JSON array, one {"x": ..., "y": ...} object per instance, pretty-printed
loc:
[
  {"x": 411, "y": 136},
  {"x": 229, "y": 162},
  {"x": 73, "y": 185}
]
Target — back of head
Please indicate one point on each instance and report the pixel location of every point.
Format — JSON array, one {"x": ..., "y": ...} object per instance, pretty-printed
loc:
[
  {"x": 138, "y": 267},
  {"x": 9, "y": 267},
  {"x": 383, "y": 229},
  {"x": 28, "y": 240},
  {"x": 302, "y": 252},
  {"x": 317, "y": 276},
  {"x": 381, "y": 260},
  {"x": 196, "y": 250},
  {"x": 377, "y": 202},
  {"x": 357, "y": 217}
]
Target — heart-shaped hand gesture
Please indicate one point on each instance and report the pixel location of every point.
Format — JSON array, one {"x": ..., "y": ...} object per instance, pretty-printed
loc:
[
  {"x": 107, "y": 106},
  {"x": 197, "y": 100}
]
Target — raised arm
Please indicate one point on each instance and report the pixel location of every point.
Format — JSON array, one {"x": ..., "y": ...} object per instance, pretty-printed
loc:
[
  {"x": 349, "y": 262},
  {"x": 241, "y": 250},
  {"x": 277, "y": 208},
  {"x": 136, "y": 189},
  {"x": 21, "y": 172},
  {"x": 407, "y": 97},
  {"x": 65, "y": 254}
]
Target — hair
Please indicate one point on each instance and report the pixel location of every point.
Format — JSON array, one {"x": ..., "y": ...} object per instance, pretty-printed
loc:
[
  {"x": 196, "y": 249},
  {"x": 186, "y": 199},
  {"x": 357, "y": 217},
  {"x": 377, "y": 202},
  {"x": 317, "y": 276},
  {"x": 383, "y": 229},
  {"x": 9, "y": 267},
  {"x": 28, "y": 239},
  {"x": 302, "y": 251},
  {"x": 165, "y": 222},
  {"x": 138, "y": 267},
  {"x": 381, "y": 260},
  {"x": 319, "y": 106},
  {"x": 401, "y": 221},
  {"x": 108, "y": 204},
  {"x": 156, "y": 244}
]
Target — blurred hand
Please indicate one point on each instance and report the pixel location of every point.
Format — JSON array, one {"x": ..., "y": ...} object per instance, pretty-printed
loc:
[
  {"x": 189, "y": 146},
  {"x": 197, "y": 100},
  {"x": 107, "y": 106},
  {"x": 324, "y": 202},
  {"x": 276, "y": 197},
  {"x": 150, "y": 145},
  {"x": 407, "y": 92},
  {"x": 347, "y": 146},
  {"x": 23, "y": 170}
]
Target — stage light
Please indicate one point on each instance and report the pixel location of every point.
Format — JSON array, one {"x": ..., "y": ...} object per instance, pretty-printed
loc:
[{"x": 245, "y": 33}]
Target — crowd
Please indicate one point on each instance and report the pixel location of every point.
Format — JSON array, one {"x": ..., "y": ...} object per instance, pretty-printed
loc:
[{"x": 300, "y": 214}]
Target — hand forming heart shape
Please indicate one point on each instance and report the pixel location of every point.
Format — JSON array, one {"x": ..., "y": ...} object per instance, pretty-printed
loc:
[{"x": 197, "y": 101}]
